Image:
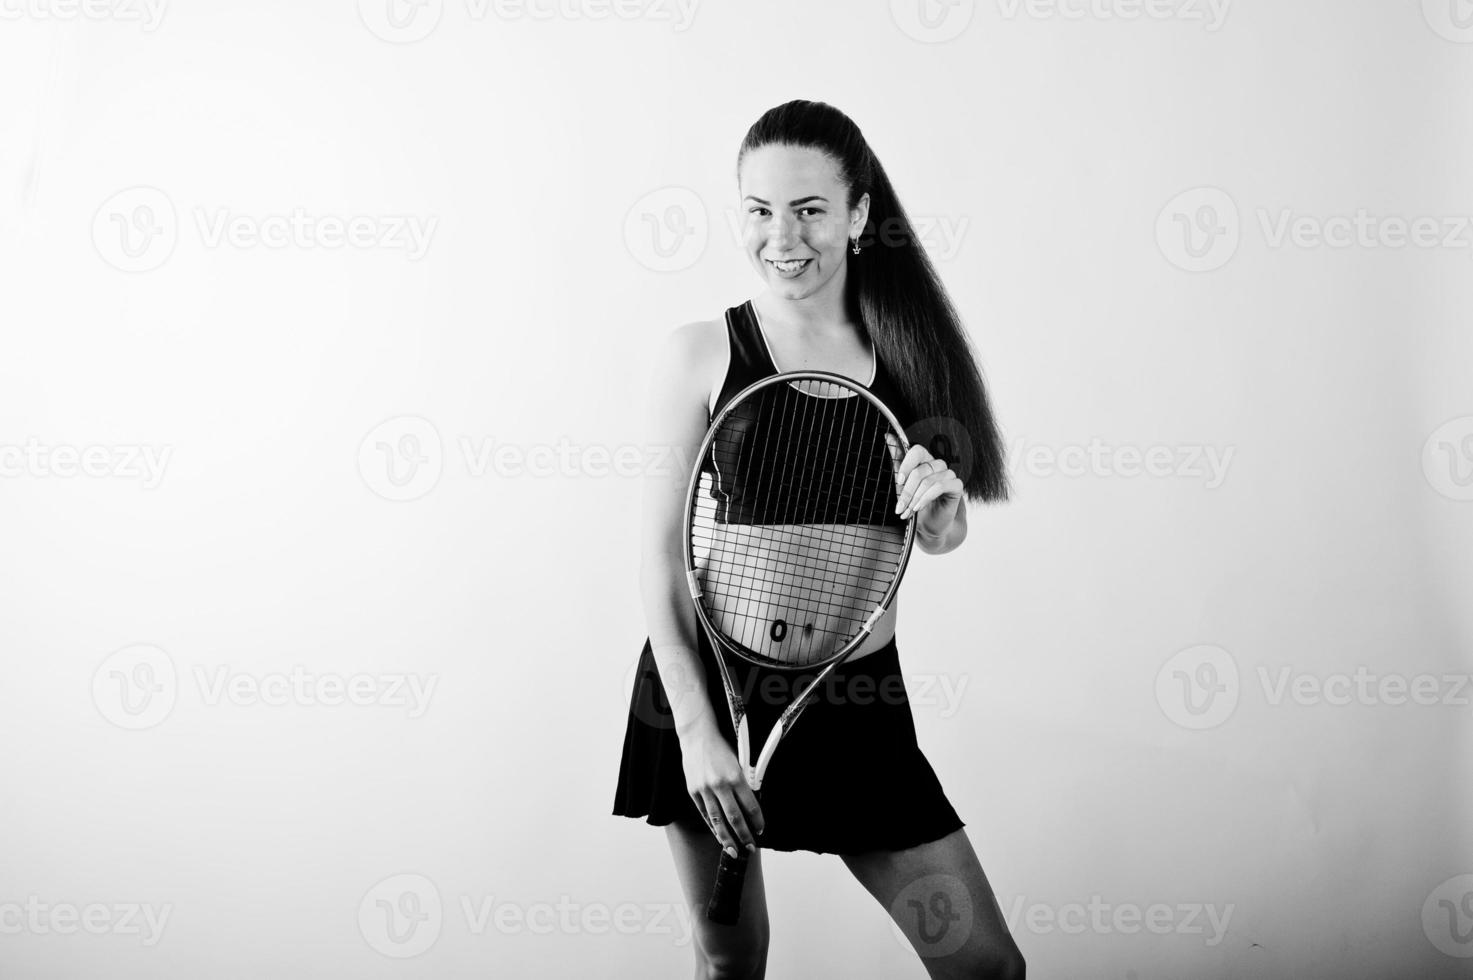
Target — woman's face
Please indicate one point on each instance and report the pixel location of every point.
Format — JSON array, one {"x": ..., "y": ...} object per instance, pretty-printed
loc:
[{"x": 797, "y": 225}]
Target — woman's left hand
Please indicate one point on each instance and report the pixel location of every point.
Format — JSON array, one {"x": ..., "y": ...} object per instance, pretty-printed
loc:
[{"x": 925, "y": 486}]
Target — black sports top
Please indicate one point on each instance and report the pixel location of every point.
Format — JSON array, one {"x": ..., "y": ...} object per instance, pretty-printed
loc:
[{"x": 793, "y": 457}]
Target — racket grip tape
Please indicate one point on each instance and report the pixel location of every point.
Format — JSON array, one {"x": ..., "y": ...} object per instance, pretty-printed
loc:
[{"x": 726, "y": 895}]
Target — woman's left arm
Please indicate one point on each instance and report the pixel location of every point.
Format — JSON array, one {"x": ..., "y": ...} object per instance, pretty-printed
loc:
[
  {"x": 926, "y": 487},
  {"x": 948, "y": 540}
]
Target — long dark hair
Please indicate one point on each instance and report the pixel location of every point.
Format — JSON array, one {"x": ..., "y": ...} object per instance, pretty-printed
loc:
[{"x": 895, "y": 294}]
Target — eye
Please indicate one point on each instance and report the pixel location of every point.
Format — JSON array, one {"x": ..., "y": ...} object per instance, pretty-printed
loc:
[{"x": 814, "y": 210}]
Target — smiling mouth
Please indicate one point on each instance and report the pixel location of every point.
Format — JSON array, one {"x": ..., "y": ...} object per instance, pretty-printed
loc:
[{"x": 791, "y": 266}]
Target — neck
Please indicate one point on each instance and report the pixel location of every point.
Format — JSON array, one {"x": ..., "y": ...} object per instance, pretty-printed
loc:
[{"x": 821, "y": 314}]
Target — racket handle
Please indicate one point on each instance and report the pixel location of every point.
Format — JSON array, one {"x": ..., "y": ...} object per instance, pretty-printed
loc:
[{"x": 726, "y": 897}]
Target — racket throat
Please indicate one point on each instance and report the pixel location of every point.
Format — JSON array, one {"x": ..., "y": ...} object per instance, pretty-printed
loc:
[
  {"x": 753, "y": 773},
  {"x": 756, "y": 772}
]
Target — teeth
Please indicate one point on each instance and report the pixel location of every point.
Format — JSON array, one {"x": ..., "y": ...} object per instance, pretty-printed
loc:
[{"x": 790, "y": 266}]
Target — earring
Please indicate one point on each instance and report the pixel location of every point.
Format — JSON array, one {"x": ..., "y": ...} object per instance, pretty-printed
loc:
[{"x": 855, "y": 242}]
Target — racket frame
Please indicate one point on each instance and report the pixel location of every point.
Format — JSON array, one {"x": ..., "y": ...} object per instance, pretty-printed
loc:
[{"x": 755, "y": 772}]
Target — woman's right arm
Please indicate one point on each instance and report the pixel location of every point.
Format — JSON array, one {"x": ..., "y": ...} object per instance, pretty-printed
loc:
[{"x": 675, "y": 423}]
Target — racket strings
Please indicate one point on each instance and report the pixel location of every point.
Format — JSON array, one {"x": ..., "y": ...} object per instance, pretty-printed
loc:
[{"x": 789, "y": 524}]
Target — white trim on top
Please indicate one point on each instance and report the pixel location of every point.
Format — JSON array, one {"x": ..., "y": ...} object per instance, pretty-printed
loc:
[{"x": 874, "y": 354}]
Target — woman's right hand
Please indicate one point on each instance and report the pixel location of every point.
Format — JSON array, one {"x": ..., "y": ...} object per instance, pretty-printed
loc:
[{"x": 714, "y": 780}]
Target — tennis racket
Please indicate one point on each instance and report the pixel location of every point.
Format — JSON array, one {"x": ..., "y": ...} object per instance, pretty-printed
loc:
[{"x": 793, "y": 548}]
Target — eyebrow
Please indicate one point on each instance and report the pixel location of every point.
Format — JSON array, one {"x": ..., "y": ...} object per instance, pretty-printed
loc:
[{"x": 793, "y": 203}]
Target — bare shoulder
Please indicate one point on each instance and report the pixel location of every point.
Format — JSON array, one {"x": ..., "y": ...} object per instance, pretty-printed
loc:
[
  {"x": 692, "y": 357},
  {"x": 697, "y": 344}
]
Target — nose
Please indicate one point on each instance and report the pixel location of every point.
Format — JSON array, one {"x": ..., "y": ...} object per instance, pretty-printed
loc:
[{"x": 782, "y": 233}]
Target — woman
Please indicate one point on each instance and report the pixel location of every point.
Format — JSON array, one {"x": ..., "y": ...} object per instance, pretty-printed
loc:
[{"x": 848, "y": 290}]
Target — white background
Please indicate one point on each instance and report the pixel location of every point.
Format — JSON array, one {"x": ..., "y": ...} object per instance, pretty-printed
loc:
[{"x": 575, "y": 167}]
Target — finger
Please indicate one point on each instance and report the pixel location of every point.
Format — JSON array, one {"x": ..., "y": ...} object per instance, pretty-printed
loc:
[
  {"x": 711, "y": 809},
  {"x": 920, "y": 477},
  {"x": 751, "y": 808},
  {"x": 940, "y": 487},
  {"x": 925, "y": 497},
  {"x": 915, "y": 485},
  {"x": 737, "y": 820}
]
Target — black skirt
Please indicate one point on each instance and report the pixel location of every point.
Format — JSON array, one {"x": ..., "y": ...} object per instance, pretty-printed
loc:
[{"x": 847, "y": 778}]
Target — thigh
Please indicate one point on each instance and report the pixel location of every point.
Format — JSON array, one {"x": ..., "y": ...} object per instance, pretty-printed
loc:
[
  {"x": 740, "y": 949},
  {"x": 940, "y": 898}
]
